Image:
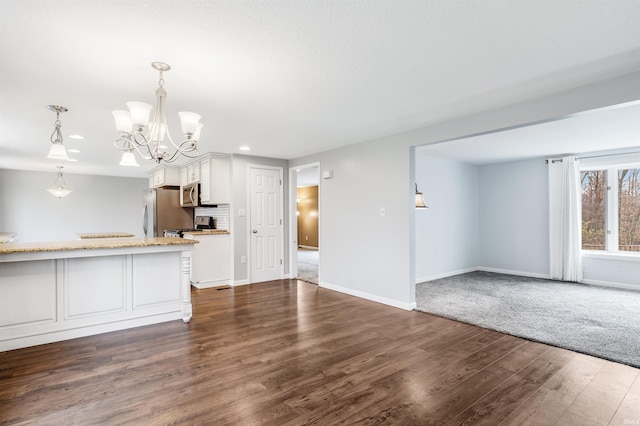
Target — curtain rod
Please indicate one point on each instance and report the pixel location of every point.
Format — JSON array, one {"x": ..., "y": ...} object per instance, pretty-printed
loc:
[{"x": 559, "y": 160}]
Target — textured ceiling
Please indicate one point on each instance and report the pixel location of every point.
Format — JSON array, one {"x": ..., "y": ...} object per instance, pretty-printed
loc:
[{"x": 290, "y": 78}]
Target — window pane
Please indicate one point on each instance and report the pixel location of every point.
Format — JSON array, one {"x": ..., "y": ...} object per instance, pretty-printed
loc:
[
  {"x": 629, "y": 209},
  {"x": 593, "y": 212}
]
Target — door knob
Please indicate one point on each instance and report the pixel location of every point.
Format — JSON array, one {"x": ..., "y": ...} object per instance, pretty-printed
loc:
[{"x": 255, "y": 231}]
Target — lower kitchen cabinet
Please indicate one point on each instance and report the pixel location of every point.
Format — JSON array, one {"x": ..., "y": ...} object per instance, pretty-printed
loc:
[{"x": 211, "y": 260}]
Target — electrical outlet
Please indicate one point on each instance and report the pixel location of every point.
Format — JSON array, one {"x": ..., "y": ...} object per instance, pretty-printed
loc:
[
  {"x": 243, "y": 259},
  {"x": 306, "y": 238}
]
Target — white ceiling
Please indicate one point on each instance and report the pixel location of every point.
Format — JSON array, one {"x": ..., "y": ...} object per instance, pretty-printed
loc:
[
  {"x": 290, "y": 78},
  {"x": 601, "y": 130}
]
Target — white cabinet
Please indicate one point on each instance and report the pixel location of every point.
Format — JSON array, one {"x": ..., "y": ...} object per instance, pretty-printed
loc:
[
  {"x": 193, "y": 172},
  {"x": 211, "y": 260},
  {"x": 164, "y": 176},
  {"x": 215, "y": 179}
]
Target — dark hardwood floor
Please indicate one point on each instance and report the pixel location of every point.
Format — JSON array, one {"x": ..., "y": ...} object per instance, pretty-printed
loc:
[{"x": 290, "y": 353}]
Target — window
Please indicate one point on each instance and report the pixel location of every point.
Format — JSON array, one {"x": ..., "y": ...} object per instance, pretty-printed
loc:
[{"x": 611, "y": 208}]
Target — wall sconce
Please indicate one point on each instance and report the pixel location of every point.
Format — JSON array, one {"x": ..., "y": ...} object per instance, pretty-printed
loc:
[{"x": 420, "y": 200}]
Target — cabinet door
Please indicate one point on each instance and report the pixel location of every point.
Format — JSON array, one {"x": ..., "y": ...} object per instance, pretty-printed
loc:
[
  {"x": 193, "y": 172},
  {"x": 205, "y": 181},
  {"x": 158, "y": 178},
  {"x": 211, "y": 261},
  {"x": 220, "y": 180},
  {"x": 183, "y": 176}
]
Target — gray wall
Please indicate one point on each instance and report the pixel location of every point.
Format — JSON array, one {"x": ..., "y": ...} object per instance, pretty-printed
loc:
[
  {"x": 240, "y": 198},
  {"x": 362, "y": 252},
  {"x": 447, "y": 233},
  {"x": 514, "y": 217},
  {"x": 97, "y": 204},
  {"x": 494, "y": 217},
  {"x": 379, "y": 173}
]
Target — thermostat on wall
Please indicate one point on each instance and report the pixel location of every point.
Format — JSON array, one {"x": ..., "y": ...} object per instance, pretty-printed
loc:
[{"x": 327, "y": 174}]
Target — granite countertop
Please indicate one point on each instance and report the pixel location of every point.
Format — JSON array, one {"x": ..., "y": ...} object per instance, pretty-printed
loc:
[
  {"x": 6, "y": 236},
  {"x": 100, "y": 243},
  {"x": 105, "y": 235},
  {"x": 207, "y": 232}
]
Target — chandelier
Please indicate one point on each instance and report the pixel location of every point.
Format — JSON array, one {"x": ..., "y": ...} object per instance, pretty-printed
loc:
[
  {"x": 58, "y": 189},
  {"x": 147, "y": 137},
  {"x": 57, "y": 150}
]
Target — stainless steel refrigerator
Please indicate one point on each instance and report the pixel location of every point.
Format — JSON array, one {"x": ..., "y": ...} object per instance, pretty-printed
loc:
[{"x": 162, "y": 211}]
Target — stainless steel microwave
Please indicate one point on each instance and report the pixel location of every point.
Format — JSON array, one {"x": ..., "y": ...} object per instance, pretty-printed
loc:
[{"x": 190, "y": 196}]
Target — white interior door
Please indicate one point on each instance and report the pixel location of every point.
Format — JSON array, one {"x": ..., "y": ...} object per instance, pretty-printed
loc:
[{"x": 266, "y": 224}]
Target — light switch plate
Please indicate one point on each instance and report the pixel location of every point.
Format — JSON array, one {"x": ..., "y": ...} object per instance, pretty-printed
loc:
[{"x": 242, "y": 212}]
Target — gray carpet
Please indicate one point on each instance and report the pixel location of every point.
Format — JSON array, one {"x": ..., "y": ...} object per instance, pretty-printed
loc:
[
  {"x": 598, "y": 321},
  {"x": 308, "y": 265}
]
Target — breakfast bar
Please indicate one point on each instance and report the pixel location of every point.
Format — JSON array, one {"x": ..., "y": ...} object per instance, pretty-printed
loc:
[{"x": 62, "y": 290}]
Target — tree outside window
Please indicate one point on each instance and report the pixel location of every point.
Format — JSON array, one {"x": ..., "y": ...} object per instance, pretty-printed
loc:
[{"x": 611, "y": 209}]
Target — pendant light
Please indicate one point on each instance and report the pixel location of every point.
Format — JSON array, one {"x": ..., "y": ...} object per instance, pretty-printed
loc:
[
  {"x": 420, "y": 204},
  {"x": 58, "y": 189},
  {"x": 57, "y": 150}
]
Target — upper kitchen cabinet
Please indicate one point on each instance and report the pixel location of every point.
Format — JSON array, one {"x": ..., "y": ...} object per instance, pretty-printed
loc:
[
  {"x": 215, "y": 179},
  {"x": 190, "y": 173},
  {"x": 164, "y": 176}
]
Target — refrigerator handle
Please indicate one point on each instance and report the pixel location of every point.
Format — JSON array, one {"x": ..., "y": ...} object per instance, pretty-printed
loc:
[{"x": 145, "y": 220}]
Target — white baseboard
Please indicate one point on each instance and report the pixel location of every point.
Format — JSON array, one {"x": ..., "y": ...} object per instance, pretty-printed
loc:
[
  {"x": 510, "y": 272},
  {"x": 444, "y": 275},
  {"x": 210, "y": 284},
  {"x": 368, "y": 296},
  {"x": 484, "y": 269},
  {"x": 611, "y": 284},
  {"x": 240, "y": 282}
]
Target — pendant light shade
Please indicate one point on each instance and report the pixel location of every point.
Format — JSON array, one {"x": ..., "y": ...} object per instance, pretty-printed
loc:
[{"x": 58, "y": 189}]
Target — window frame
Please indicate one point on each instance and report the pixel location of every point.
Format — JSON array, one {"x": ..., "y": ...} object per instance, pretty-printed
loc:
[{"x": 612, "y": 164}]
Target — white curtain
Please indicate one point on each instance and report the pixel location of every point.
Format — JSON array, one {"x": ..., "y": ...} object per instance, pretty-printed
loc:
[{"x": 565, "y": 222}]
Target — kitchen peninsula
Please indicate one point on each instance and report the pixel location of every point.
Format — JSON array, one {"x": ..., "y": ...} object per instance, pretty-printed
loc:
[{"x": 62, "y": 290}]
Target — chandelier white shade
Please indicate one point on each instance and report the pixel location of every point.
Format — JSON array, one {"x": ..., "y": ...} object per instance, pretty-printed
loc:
[
  {"x": 58, "y": 189},
  {"x": 129, "y": 159},
  {"x": 147, "y": 137},
  {"x": 57, "y": 150}
]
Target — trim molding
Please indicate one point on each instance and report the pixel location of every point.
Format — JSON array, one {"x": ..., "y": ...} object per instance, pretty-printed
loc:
[
  {"x": 510, "y": 272},
  {"x": 611, "y": 284},
  {"x": 484, "y": 269},
  {"x": 444, "y": 275},
  {"x": 369, "y": 296},
  {"x": 240, "y": 282}
]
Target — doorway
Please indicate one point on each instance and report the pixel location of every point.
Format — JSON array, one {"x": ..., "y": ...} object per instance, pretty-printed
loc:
[{"x": 305, "y": 223}]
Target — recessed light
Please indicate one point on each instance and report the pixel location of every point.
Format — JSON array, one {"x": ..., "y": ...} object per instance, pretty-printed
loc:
[
  {"x": 73, "y": 160},
  {"x": 245, "y": 148},
  {"x": 76, "y": 137}
]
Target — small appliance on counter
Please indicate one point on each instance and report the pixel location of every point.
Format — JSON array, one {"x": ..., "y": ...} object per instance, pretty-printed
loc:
[
  {"x": 205, "y": 222},
  {"x": 202, "y": 222}
]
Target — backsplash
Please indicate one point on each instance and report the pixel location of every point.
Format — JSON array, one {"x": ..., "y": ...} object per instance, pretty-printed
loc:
[{"x": 221, "y": 215}]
